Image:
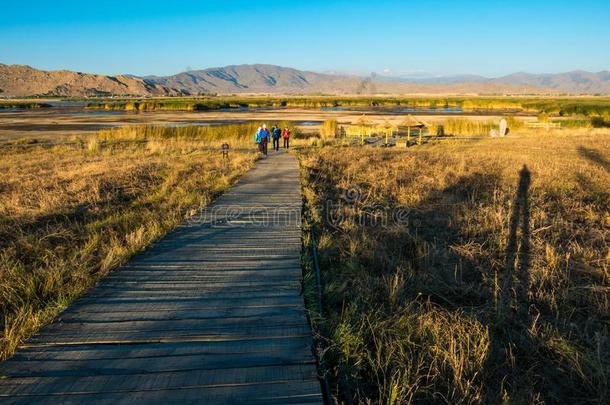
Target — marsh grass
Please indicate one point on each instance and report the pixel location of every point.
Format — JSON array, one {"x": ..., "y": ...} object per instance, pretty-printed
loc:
[
  {"x": 591, "y": 122},
  {"x": 559, "y": 106},
  {"x": 493, "y": 288},
  {"x": 238, "y": 134},
  {"x": 69, "y": 214},
  {"x": 329, "y": 129},
  {"x": 471, "y": 127},
  {"x": 22, "y": 105}
]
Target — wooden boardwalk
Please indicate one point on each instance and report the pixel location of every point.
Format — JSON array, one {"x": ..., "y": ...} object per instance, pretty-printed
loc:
[{"x": 213, "y": 313}]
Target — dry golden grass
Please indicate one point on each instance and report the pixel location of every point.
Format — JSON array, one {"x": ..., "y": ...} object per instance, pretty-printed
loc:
[
  {"x": 70, "y": 214},
  {"x": 329, "y": 129},
  {"x": 489, "y": 289}
]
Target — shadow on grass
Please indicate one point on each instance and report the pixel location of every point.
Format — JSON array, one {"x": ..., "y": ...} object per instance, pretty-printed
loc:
[
  {"x": 594, "y": 156},
  {"x": 509, "y": 329},
  {"x": 457, "y": 281},
  {"x": 447, "y": 258}
]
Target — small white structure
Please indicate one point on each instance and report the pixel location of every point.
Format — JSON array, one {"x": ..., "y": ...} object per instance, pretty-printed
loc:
[{"x": 503, "y": 127}]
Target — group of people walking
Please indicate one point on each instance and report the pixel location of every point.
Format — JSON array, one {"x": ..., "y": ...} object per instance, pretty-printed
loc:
[{"x": 264, "y": 136}]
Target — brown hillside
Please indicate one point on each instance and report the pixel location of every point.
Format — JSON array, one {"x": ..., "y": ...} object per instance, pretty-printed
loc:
[{"x": 20, "y": 80}]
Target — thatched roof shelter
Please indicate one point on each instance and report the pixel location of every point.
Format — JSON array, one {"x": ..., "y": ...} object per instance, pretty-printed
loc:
[
  {"x": 363, "y": 121},
  {"x": 387, "y": 125},
  {"x": 411, "y": 122}
]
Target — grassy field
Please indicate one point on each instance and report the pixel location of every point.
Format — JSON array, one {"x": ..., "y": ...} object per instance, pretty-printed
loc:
[
  {"x": 69, "y": 214},
  {"x": 453, "y": 272},
  {"x": 464, "y": 272}
]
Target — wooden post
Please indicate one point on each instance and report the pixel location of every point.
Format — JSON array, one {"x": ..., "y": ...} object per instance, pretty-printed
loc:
[
  {"x": 408, "y": 136},
  {"x": 419, "y": 139}
]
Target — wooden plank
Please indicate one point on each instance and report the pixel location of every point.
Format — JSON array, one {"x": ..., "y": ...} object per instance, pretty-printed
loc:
[
  {"x": 171, "y": 335},
  {"x": 186, "y": 284},
  {"x": 292, "y": 392},
  {"x": 54, "y": 385},
  {"x": 219, "y": 290},
  {"x": 33, "y": 367},
  {"x": 175, "y": 309},
  {"x": 175, "y": 324},
  {"x": 217, "y": 299},
  {"x": 206, "y": 313},
  {"x": 157, "y": 350}
]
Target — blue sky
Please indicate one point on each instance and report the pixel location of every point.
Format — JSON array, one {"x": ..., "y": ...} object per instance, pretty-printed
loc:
[{"x": 438, "y": 37}]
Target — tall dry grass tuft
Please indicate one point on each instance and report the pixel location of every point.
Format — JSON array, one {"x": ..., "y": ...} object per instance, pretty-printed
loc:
[
  {"x": 93, "y": 144},
  {"x": 329, "y": 129},
  {"x": 465, "y": 272}
]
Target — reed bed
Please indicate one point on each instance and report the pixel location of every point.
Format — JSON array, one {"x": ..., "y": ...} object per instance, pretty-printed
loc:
[
  {"x": 22, "y": 105},
  {"x": 557, "y": 106},
  {"x": 470, "y": 127},
  {"x": 238, "y": 134}
]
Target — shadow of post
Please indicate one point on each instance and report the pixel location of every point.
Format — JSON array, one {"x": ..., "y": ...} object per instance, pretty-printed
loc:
[
  {"x": 510, "y": 339},
  {"x": 515, "y": 283}
]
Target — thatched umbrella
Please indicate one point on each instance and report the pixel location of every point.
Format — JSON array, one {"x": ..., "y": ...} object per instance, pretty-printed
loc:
[
  {"x": 387, "y": 125},
  {"x": 363, "y": 121},
  {"x": 410, "y": 122},
  {"x": 387, "y": 128}
]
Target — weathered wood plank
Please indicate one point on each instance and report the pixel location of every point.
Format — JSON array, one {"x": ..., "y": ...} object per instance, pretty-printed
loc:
[
  {"x": 127, "y": 351},
  {"x": 174, "y": 309},
  {"x": 216, "y": 299},
  {"x": 206, "y": 313},
  {"x": 291, "y": 392},
  {"x": 175, "y": 324},
  {"x": 172, "y": 335},
  {"x": 33, "y": 367},
  {"x": 160, "y": 380}
]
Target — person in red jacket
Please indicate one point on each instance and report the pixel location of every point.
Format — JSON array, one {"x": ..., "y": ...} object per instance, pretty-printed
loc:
[{"x": 286, "y": 136}]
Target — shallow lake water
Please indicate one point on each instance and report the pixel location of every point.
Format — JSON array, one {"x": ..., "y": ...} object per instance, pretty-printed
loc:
[{"x": 397, "y": 110}]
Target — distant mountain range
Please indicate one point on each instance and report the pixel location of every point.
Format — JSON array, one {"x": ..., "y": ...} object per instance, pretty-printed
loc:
[
  {"x": 20, "y": 81},
  {"x": 576, "y": 82}
]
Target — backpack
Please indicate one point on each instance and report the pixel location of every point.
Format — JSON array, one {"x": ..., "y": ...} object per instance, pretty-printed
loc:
[{"x": 257, "y": 137}]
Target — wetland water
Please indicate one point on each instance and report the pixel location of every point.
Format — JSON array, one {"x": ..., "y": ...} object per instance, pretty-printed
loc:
[
  {"x": 72, "y": 118},
  {"x": 69, "y": 118},
  {"x": 398, "y": 110}
]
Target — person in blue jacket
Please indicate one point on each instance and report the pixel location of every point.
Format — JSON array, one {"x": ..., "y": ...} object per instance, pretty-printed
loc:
[
  {"x": 276, "y": 133},
  {"x": 266, "y": 137},
  {"x": 259, "y": 138}
]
